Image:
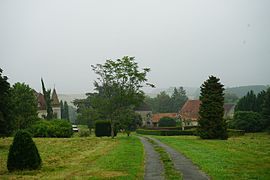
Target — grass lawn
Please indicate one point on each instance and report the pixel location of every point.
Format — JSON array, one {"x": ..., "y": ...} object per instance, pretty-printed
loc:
[
  {"x": 244, "y": 157},
  {"x": 82, "y": 158}
]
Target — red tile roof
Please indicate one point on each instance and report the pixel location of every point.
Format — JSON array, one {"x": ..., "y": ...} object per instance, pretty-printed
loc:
[
  {"x": 190, "y": 110},
  {"x": 157, "y": 117}
]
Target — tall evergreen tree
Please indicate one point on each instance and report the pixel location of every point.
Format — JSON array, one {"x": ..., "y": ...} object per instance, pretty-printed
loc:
[
  {"x": 48, "y": 100},
  {"x": 211, "y": 122},
  {"x": 62, "y": 109},
  {"x": 66, "y": 112},
  {"x": 247, "y": 103},
  {"x": 5, "y": 108},
  {"x": 178, "y": 99}
]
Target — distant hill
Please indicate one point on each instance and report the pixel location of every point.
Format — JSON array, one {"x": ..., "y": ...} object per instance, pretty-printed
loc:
[{"x": 243, "y": 90}]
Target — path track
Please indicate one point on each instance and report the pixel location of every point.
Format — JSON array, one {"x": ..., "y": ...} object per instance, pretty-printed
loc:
[{"x": 155, "y": 170}]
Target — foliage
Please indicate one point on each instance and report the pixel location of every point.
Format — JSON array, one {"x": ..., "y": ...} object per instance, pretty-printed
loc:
[
  {"x": 167, "y": 122},
  {"x": 102, "y": 128},
  {"x": 166, "y": 132},
  {"x": 247, "y": 120},
  {"x": 23, "y": 153},
  {"x": 48, "y": 101},
  {"x": 84, "y": 133},
  {"x": 65, "y": 114},
  {"x": 211, "y": 122},
  {"x": 62, "y": 109},
  {"x": 118, "y": 87},
  {"x": 164, "y": 103},
  {"x": 230, "y": 98},
  {"x": 24, "y": 105},
  {"x": 5, "y": 107},
  {"x": 247, "y": 103},
  {"x": 53, "y": 128},
  {"x": 266, "y": 110}
]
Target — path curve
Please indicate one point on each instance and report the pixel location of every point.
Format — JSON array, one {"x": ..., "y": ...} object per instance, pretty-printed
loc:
[
  {"x": 154, "y": 169},
  {"x": 181, "y": 163}
]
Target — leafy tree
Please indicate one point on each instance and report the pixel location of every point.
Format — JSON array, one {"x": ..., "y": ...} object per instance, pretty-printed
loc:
[
  {"x": 5, "y": 108},
  {"x": 178, "y": 99},
  {"x": 248, "y": 121},
  {"x": 24, "y": 105},
  {"x": 167, "y": 122},
  {"x": 48, "y": 100},
  {"x": 163, "y": 102},
  {"x": 266, "y": 110},
  {"x": 211, "y": 122},
  {"x": 119, "y": 87}
]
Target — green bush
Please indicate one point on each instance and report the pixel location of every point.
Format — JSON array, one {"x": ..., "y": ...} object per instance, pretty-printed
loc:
[
  {"x": 167, "y": 122},
  {"x": 103, "y": 128},
  {"x": 84, "y": 133},
  {"x": 248, "y": 121},
  {"x": 166, "y": 132},
  {"x": 23, "y": 153},
  {"x": 53, "y": 128}
]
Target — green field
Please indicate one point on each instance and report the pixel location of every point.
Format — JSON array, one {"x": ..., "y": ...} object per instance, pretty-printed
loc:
[
  {"x": 244, "y": 157},
  {"x": 82, "y": 158}
]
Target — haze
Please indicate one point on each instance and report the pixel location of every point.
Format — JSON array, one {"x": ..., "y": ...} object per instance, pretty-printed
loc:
[{"x": 183, "y": 42}]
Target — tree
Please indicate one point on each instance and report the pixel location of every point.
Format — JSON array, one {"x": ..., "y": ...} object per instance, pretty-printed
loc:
[
  {"x": 211, "y": 122},
  {"x": 178, "y": 99},
  {"x": 119, "y": 86},
  {"x": 5, "y": 108},
  {"x": 24, "y": 105},
  {"x": 167, "y": 122},
  {"x": 48, "y": 100},
  {"x": 247, "y": 103},
  {"x": 266, "y": 110},
  {"x": 62, "y": 109},
  {"x": 248, "y": 121},
  {"x": 230, "y": 98},
  {"x": 163, "y": 102},
  {"x": 65, "y": 111}
]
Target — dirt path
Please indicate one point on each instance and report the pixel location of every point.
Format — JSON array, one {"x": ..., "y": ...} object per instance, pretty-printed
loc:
[
  {"x": 181, "y": 163},
  {"x": 154, "y": 169}
]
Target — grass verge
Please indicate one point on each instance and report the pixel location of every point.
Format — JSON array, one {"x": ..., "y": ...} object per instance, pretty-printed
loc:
[
  {"x": 81, "y": 158},
  {"x": 243, "y": 157},
  {"x": 170, "y": 171}
]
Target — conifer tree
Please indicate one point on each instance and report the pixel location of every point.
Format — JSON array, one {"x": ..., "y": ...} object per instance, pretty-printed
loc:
[
  {"x": 65, "y": 111},
  {"x": 266, "y": 109},
  {"x": 62, "y": 109},
  {"x": 211, "y": 122},
  {"x": 48, "y": 100}
]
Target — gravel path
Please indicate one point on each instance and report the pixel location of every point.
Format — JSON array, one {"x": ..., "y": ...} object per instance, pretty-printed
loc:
[
  {"x": 154, "y": 169},
  {"x": 182, "y": 164}
]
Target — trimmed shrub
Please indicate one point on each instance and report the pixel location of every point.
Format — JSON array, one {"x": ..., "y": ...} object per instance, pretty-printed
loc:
[
  {"x": 23, "y": 153},
  {"x": 103, "y": 128},
  {"x": 167, "y": 122},
  {"x": 53, "y": 128},
  {"x": 84, "y": 133}
]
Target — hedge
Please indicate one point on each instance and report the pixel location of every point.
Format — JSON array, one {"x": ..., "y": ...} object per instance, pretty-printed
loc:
[
  {"x": 166, "y": 132},
  {"x": 51, "y": 128},
  {"x": 103, "y": 128}
]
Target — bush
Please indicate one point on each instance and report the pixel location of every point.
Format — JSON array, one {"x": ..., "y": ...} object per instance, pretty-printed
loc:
[
  {"x": 103, "y": 128},
  {"x": 248, "y": 121},
  {"x": 53, "y": 128},
  {"x": 167, "y": 122},
  {"x": 166, "y": 132},
  {"x": 84, "y": 133},
  {"x": 23, "y": 153}
]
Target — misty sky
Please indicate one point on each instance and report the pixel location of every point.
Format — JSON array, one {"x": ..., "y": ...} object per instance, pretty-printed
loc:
[{"x": 183, "y": 42}]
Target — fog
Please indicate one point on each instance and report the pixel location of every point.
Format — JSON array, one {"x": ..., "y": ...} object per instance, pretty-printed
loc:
[{"x": 183, "y": 42}]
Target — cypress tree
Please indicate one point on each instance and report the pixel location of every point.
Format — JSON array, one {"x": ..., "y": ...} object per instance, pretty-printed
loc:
[
  {"x": 48, "y": 100},
  {"x": 62, "y": 109},
  {"x": 266, "y": 110},
  {"x": 211, "y": 122}
]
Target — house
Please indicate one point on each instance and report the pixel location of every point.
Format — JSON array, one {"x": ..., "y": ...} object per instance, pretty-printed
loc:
[
  {"x": 189, "y": 113},
  {"x": 158, "y": 116},
  {"x": 42, "y": 111},
  {"x": 146, "y": 113}
]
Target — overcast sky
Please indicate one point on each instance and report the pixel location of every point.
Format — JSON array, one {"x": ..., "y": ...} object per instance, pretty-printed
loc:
[{"x": 183, "y": 42}]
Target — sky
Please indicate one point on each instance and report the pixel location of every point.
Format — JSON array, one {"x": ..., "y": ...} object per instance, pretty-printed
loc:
[{"x": 182, "y": 41}]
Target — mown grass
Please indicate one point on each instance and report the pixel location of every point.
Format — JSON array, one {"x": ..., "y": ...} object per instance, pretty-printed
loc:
[
  {"x": 170, "y": 171},
  {"x": 82, "y": 158},
  {"x": 244, "y": 157}
]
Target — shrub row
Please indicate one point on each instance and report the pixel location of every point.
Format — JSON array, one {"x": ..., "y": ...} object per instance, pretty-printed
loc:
[
  {"x": 53, "y": 128},
  {"x": 166, "y": 132},
  {"x": 192, "y": 132},
  {"x": 103, "y": 128}
]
